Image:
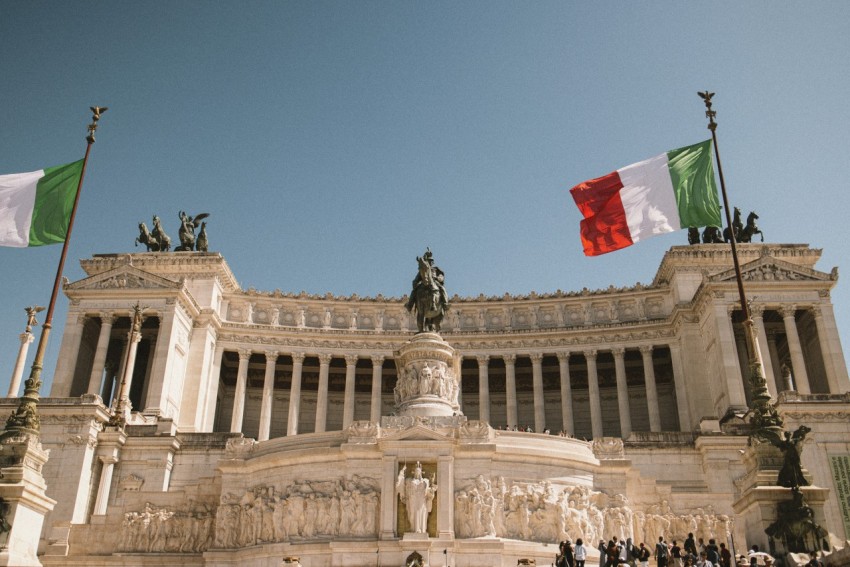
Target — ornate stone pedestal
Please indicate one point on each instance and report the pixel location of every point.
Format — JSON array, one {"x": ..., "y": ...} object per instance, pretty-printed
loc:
[
  {"x": 24, "y": 503},
  {"x": 427, "y": 377}
]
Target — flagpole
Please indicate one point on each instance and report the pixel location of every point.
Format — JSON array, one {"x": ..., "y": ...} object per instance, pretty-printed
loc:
[
  {"x": 25, "y": 420},
  {"x": 761, "y": 408}
]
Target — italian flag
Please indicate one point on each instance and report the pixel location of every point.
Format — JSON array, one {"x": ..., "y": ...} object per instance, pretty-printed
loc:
[
  {"x": 35, "y": 207},
  {"x": 666, "y": 193}
]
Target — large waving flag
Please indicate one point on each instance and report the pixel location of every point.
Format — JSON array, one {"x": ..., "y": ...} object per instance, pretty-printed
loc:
[
  {"x": 663, "y": 194},
  {"x": 35, "y": 207}
]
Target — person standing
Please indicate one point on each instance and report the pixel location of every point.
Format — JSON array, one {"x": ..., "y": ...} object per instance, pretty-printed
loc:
[
  {"x": 661, "y": 552},
  {"x": 676, "y": 554},
  {"x": 580, "y": 553},
  {"x": 691, "y": 545},
  {"x": 725, "y": 556},
  {"x": 643, "y": 555}
]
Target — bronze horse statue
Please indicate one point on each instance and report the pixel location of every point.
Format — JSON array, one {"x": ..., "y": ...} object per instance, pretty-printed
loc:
[
  {"x": 751, "y": 229},
  {"x": 159, "y": 234},
  {"x": 427, "y": 297},
  {"x": 148, "y": 239},
  {"x": 737, "y": 227}
]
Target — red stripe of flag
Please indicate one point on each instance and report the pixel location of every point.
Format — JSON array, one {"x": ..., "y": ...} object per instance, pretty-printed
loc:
[{"x": 605, "y": 227}]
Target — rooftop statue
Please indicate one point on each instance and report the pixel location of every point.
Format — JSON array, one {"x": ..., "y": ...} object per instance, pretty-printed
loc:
[
  {"x": 187, "y": 230},
  {"x": 428, "y": 296},
  {"x": 155, "y": 240}
]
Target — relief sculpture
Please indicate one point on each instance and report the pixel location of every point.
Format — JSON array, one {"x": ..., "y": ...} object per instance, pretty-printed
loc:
[{"x": 544, "y": 512}]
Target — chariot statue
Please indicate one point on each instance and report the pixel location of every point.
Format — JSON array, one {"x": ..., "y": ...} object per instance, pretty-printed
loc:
[
  {"x": 186, "y": 233},
  {"x": 428, "y": 297}
]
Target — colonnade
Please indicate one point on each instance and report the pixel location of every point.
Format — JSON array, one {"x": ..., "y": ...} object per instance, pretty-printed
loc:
[{"x": 240, "y": 391}]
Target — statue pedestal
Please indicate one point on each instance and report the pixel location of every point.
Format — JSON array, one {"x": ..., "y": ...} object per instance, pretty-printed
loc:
[
  {"x": 412, "y": 536},
  {"x": 757, "y": 506},
  {"x": 24, "y": 501},
  {"x": 427, "y": 377}
]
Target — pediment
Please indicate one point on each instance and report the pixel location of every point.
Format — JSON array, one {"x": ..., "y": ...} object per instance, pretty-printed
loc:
[
  {"x": 122, "y": 278},
  {"x": 772, "y": 270},
  {"x": 417, "y": 432}
]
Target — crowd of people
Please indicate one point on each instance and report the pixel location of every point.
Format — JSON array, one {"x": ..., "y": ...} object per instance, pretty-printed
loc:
[{"x": 690, "y": 553}]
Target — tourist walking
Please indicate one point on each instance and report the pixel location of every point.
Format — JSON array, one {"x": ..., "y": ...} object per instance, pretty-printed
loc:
[{"x": 580, "y": 553}]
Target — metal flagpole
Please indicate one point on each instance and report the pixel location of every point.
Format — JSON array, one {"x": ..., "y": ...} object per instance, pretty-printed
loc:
[
  {"x": 24, "y": 420},
  {"x": 763, "y": 414}
]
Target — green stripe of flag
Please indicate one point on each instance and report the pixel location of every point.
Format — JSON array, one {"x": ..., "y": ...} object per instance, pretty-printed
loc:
[
  {"x": 54, "y": 200},
  {"x": 692, "y": 173}
]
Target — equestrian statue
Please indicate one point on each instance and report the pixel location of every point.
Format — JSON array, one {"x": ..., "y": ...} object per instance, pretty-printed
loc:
[{"x": 428, "y": 296}]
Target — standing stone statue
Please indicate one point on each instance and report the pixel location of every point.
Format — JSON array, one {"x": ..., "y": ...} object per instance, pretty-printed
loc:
[
  {"x": 417, "y": 493},
  {"x": 428, "y": 296}
]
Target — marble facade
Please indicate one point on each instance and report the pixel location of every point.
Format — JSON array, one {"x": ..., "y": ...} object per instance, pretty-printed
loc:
[{"x": 272, "y": 425}]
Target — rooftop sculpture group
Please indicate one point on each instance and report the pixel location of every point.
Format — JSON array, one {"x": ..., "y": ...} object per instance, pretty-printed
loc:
[
  {"x": 156, "y": 240},
  {"x": 744, "y": 233}
]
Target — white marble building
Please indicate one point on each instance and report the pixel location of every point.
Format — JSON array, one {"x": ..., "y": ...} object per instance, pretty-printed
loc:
[{"x": 265, "y": 424}]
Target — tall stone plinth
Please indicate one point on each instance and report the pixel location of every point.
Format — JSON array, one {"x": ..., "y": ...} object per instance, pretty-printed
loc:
[
  {"x": 428, "y": 371},
  {"x": 759, "y": 496},
  {"x": 24, "y": 503}
]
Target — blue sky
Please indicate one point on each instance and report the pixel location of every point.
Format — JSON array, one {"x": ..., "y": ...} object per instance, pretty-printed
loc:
[{"x": 331, "y": 142}]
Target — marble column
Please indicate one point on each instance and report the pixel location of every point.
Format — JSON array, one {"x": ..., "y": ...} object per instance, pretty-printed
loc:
[
  {"x": 651, "y": 390},
  {"x": 537, "y": 378},
  {"x": 322, "y": 402},
  {"x": 96, "y": 377},
  {"x": 377, "y": 387},
  {"x": 104, "y": 485},
  {"x": 66, "y": 364},
  {"x": 770, "y": 373},
  {"x": 622, "y": 392},
  {"x": 682, "y": 403},
  {"x": 268, "y": 397},
  {"x": 798, "y": 363},
  {"x": 350, "y": 376},
  {"x": 566, "y": 393},
  {"x": 239, "y": 394},
  {"x": 510, "y": 388},
  {"x": 593, "y": 393},
  {"x": 773, "y": 352},
  {"x": 727, "y": 354},
  {"x": 295, "y": 393},
  {"x": 18, "y": 372},
  {"x": 124, "y": 406},
  {"x": 484, "y": 387},
  {"x": 829, "y": 358}
]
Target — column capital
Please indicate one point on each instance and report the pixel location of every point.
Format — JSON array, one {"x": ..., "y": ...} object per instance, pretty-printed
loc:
[
  {"x": 787, "y": 311},
  {"x": 563, "y": 356},
  {"x": 108, "y": 459},
  {"x": 26, "y": 338},
  {"x": 107, "y": 318},
  {"x": 271, "y": 355},
  {"x": 297, "y": 358},
  {"x": 81, "y": 318},
  {"x": 817, "y": 311},
  {"x": 509, "y": 359},
  {"x": 378, "y": 359},
  {"x": 351, "y": 359},
  {"x": 757, "y": 311},
  {"x": 618, "y": 352},
  {"x": 590, "y": 353},
  {"x": 483, "y": 359},
  {"x": 646, "y": 350},
  {"x": 325, "y": 358},
  {"x": 731, "y": 308},
  {"x": 244, "y": 353},
  {"x": 536, "y": 357}
]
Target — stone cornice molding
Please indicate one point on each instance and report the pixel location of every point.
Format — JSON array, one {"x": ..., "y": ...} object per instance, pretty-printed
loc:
[
  {"x": 197, "y": 265},
  {"x": 717, "y": 258}
]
